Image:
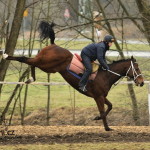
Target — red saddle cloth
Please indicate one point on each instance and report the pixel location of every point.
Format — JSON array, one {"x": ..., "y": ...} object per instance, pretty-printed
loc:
[{"x": 77, "y": 66}]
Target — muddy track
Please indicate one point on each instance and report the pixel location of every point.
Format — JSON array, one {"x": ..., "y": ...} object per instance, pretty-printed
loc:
[{"x": 74, "y": 134}]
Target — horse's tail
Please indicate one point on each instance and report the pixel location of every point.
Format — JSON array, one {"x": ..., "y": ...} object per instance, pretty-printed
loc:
[{"x": 46, "y": 31}]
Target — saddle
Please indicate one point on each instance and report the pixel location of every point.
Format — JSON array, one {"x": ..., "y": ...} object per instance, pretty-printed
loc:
[{"x": 77, "y": 67}]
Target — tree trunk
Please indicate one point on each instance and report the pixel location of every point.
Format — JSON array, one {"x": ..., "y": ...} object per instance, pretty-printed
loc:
[
  {"x": 48, "y": 100},
  {"x": 135, "y": 110},
  {"x": 130, "y": 16},
  {"x": 144, "y": 9},
  {"x": 24, "y": 105},
  {"x": 12, "y": 40},
  {"x": 14, "y": 107}
]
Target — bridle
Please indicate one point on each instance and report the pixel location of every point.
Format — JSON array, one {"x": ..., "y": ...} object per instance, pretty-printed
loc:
[{"x": 135, "y": 74}]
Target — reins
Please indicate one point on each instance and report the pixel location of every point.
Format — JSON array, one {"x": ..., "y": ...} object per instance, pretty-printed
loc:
[
  {"x": 115, "y": 73},
  {"x": 135, "y": 74}
]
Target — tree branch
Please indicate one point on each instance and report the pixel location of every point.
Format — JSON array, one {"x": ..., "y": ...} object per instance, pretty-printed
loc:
[{"x": 32, "y": 4}]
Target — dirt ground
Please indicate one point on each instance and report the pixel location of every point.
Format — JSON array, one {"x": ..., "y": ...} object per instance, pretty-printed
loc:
[
  {"x": 83, "y": 130},
  {"x": 74, "y": 134},
  {"x": 83, "y": 117}
]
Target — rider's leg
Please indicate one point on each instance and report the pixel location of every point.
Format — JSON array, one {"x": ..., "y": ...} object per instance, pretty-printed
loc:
[{"x": 87, "y": 63}]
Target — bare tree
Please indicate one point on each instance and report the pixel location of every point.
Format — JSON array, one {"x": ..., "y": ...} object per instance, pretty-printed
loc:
[
  {"x": 144, "y": 9},
  {"x": 12, "y": 40}
]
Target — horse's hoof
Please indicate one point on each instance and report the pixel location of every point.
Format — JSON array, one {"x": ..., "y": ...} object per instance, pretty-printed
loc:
[
  {"x": 108, "y": 129},
  {"x": 29, "y": 81},
  {"x": 5, "y": 56},
  {"x": 97, "y": 118}
]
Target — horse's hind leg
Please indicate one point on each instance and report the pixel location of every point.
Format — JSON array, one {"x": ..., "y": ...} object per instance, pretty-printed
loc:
[
  {"x": 26, "y": 60},
  {"x": 22, "y": 59},
  {"x": 100, "y": 104},
  {"x": 32, "y": 79}
]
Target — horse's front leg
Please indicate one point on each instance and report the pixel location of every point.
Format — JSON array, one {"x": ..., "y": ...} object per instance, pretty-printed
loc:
[
  {"x": 32, "y": 78},
  {"x": 100, "y": 101},
  {"x": 109, "y": 104}
]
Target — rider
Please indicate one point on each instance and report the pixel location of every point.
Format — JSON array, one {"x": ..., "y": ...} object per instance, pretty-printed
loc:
[{"x": 91, "y": 53}]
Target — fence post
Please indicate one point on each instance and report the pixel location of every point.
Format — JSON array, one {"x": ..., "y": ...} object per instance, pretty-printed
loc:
[
  {"x": 149, "y": 101},
  {"x": 74, "y": 107}
]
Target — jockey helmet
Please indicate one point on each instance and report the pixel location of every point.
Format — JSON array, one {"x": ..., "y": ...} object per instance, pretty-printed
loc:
[{"x": 109, "y": 38}]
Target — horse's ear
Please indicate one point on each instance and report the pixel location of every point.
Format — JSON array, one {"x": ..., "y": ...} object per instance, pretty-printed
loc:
[{"x": 133, "y": 59}]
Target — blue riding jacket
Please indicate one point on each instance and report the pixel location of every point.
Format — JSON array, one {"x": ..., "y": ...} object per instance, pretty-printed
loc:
[{"x": 97, "y": 51}]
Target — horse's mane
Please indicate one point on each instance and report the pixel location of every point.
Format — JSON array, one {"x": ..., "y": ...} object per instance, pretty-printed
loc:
[
  {"x": 118, "y": 61},
  {"x": 121, "y": 60}
]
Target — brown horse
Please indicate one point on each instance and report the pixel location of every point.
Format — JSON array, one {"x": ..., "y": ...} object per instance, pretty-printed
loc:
[{"x": 53, "y": 59}]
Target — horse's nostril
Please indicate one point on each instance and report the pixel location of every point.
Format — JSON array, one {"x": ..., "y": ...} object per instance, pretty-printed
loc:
[{"x": 142, "y": 84}]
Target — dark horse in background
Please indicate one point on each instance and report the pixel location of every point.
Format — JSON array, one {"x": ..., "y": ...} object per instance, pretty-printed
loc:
[{"x": 53, "y": 59}]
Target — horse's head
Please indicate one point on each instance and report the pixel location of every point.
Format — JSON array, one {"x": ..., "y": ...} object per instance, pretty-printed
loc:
[{"x": 134, "y": 72}]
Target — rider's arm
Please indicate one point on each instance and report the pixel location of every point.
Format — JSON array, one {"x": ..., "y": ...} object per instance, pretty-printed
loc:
[{"x": 100, "y": 57}]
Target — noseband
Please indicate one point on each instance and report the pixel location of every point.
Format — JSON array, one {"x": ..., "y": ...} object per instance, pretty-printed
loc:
[{"x": 135, "y": 74}]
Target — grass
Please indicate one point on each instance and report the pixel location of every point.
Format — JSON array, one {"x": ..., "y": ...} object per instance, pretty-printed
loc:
[
  {"x": 83, "y": 146},
  {"x": 134, "y": 47}
]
